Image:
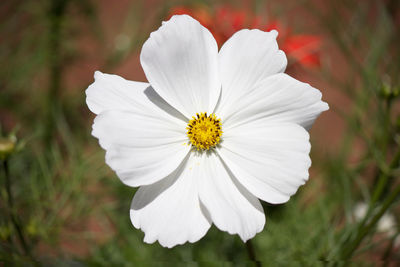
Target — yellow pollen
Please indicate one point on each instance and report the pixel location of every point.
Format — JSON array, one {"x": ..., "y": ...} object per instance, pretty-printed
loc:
[{"x": 204, "y": 131}]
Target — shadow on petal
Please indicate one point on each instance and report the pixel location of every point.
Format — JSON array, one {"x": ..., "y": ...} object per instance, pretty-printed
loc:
[
  {"x": 249, "y": 196},
  {"x": 205, "y": 211},
  {"x": 157, "y": 100},
  {"x": 147, "y": 193}
]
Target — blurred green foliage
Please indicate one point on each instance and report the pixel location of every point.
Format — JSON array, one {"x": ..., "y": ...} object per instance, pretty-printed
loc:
[{"x": 71, "y": 209}]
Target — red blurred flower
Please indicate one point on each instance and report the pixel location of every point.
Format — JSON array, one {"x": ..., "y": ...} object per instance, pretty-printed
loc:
[
  {"x": 225, "y": 21},
  {"x": 304, "y": 49}
]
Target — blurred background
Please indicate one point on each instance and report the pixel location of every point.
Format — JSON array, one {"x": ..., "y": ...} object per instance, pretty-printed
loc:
[{"x": 61, "y": 204}]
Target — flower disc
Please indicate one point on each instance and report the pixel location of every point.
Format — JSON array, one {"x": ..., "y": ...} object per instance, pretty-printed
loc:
[{"x": 204, "y": 131}]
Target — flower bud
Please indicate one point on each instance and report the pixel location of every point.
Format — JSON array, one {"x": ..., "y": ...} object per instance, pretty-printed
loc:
[
  {"x": 386, "y": 91},
  {"x": 7, "y": 146}
]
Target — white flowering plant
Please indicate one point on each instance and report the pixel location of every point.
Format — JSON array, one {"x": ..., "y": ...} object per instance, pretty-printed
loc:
[{"x": 210, "y": 124}]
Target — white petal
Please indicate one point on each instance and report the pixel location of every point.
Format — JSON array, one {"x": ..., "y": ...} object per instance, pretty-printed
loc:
[
  {"x": 180, "y": 61},
  {"x": 170, "y": 211},
  {"x": 269, "y": 160},
  {"x": 278, "y": 98},
  {"x": 141, "y": 147},
  {"x": 246, "y": 58},
  {"x": 232, "y": 208},
  {"x": 112, "y": 92}
]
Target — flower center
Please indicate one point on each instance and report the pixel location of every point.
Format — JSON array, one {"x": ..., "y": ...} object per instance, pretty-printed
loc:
[{"x": 204, "y": 131}]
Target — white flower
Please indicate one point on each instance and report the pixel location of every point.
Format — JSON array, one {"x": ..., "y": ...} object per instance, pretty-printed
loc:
[{"x": 249, "y": 141}]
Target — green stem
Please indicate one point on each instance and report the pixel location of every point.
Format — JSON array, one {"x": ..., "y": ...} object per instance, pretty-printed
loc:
[
  {"x": 12, "y": 213},
  {"x": 251, "y": 253},
  {"x": 365, "y": 229},
  {"x": 382, "y": 182},
  {"x": 56, "y": 18}
]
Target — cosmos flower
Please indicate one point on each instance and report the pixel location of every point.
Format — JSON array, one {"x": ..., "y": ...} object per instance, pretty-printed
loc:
[
  {"x": 209, "y": 135},
  {"x": 303, "y": 49}
]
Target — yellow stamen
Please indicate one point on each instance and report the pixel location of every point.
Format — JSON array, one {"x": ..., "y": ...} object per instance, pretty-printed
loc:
[{"x": 204, "y": 131}]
